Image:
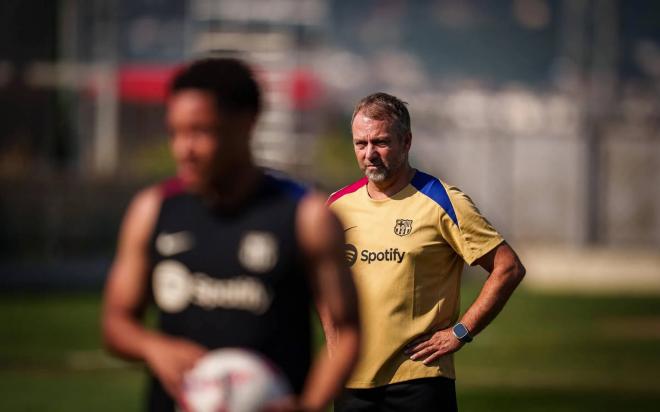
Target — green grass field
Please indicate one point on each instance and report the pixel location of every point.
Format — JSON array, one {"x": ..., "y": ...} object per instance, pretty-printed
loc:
[{"x": 544, "y": 353}]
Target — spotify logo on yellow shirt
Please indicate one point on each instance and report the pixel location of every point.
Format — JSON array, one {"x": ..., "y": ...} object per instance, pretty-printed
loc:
[
  {"x": 368, "y": 256},
  {"x": 351, "y": 254},
  {"x": 387, "y": 255}
]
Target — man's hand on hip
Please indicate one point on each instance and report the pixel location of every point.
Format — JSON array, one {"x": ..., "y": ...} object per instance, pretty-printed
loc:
[{"x": 430, "y": 347}]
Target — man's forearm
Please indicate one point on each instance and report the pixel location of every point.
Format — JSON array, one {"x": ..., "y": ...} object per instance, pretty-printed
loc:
[
  {"x": 126, "y": 336},
  {"x": 493, "y": 296},
  {"x": 327, "y": 375},
  {"x": 329, "y": 329}
]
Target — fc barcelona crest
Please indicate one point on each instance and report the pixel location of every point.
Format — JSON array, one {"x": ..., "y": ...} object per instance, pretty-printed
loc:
[{"x": 403, "y": 227}]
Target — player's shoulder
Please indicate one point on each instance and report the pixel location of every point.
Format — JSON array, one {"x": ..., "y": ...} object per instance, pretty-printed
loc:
[
  {"x": 313, "y": 207},
  {"x": 346, "y": 191},
  {"x": 452, "y": 200},
  {"x": 148, "y": 200},
  {"x": 283, "y": 183},
  {"x": 433, "y": 186},
  {"x": 443, "y": 195},
  {"x": 143, "y": 210},
  {"x": 316, "y": 223}
]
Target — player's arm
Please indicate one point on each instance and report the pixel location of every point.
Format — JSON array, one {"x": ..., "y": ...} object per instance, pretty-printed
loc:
[
  {"x": 125, "y": 298},
  {"x": 322, "y": 239},
  {"x": 506, "y": 272}
]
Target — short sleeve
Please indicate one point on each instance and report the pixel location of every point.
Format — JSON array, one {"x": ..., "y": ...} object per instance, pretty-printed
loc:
[{"x": 469, "y": 234}]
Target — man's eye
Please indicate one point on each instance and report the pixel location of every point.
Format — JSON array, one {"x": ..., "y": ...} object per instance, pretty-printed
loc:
[{"x": 201, "y": 130}]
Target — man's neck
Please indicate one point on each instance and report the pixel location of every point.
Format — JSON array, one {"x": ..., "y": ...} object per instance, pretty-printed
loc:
[
  {"x": 391, "y": 186},
  {"x": 229, "y": 192}
]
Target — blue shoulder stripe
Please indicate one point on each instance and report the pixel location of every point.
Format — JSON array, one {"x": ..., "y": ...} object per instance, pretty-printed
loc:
[
  {"x": 432, "y": 188},
  {"x": 291, "y": 187}
]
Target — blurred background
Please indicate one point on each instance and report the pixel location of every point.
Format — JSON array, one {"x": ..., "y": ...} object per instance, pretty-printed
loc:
[{"x": 547, "y": 112}]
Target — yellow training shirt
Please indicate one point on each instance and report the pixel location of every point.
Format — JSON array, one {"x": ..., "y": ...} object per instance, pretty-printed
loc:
[{"x": 407, "y": 254}]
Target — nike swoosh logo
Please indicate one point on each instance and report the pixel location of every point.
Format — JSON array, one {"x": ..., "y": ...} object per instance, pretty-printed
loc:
[
  {"x": 168, "y": 244},
  {"x": 347, "y": 229}
]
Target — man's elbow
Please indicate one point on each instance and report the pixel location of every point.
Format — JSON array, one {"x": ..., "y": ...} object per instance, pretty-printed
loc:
[
  {"x": 511, "y": 273},
  {"x": 107, "y": 335},
  {"x": 110, "y": 334},
  {"x": 517, "y": 272}
]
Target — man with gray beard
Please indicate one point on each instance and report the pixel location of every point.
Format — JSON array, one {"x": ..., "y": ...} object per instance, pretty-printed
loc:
[{"x": 409, "y": 306}]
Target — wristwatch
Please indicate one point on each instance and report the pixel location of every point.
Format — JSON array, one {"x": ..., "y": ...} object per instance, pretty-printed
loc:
[{"x": 461, "y": 332}]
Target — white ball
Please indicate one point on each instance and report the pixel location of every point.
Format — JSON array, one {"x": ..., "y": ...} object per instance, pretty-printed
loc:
[{"x": 232, "y": 380}]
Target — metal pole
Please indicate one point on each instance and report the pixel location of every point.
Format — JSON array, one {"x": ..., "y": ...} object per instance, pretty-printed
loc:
[
  {"x": 106, "y": 122},
  {"x": 602, "y": 91}
]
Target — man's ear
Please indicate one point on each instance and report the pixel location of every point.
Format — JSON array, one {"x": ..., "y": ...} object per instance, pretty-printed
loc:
[
  {"x": 244, "y": 123},
  {"x": 407, "y": 140}
]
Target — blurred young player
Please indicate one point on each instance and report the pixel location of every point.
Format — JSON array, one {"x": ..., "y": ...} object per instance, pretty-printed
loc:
[
  {"x": 409, "y": 235},
  {"x": 231, "y": 255}
]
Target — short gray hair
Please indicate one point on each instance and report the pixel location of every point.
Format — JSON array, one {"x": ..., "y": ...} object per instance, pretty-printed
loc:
[{"x": 383, "y": 106}]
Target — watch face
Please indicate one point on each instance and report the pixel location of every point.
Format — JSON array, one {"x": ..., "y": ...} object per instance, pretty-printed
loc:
[{"x": 461, "y": 331}]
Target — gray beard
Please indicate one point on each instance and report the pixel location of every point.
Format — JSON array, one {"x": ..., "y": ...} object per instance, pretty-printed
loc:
[
  {"x": 382, "y": 172},
  {"x": 379, "y": 175}
]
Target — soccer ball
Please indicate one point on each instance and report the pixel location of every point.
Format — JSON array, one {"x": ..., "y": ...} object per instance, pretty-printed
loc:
[{"x": 232, "y": 380}]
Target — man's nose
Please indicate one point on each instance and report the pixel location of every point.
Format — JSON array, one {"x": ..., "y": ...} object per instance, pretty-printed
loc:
[
  {"x": 185, "y": 142},
  {"x": 371, "y": 152}
]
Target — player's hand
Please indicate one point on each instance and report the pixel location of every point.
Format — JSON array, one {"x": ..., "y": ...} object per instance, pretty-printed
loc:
[
  {"x": 169, "y": 358},
  {"x": 430, "y": 347}
]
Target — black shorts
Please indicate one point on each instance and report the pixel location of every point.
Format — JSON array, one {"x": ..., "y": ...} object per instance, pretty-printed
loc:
[{"x": 419, "y": 395}]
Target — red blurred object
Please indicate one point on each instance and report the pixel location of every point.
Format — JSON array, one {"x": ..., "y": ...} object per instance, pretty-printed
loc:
[
  {"x": 148, "y": 83},
  {"x": 305, "y": 89},
  {"x": 145, "y": 83}
]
